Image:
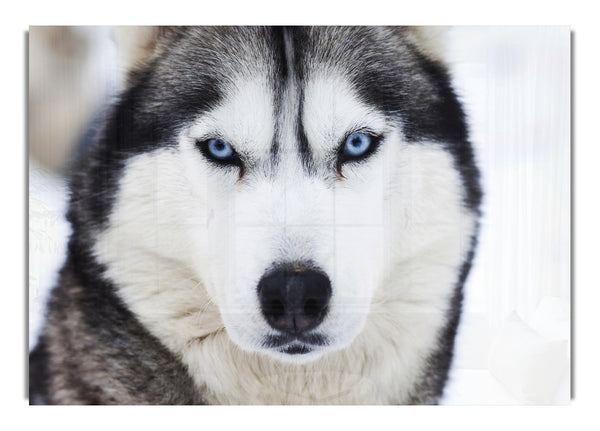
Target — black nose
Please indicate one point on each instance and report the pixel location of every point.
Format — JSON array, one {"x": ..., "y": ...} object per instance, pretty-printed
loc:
[{"x": 294, "y": 299}]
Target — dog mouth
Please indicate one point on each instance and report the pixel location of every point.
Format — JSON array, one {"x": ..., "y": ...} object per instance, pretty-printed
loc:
[
  {"x": 295, "y": 344},
  {"x": 296, "y": 349}
]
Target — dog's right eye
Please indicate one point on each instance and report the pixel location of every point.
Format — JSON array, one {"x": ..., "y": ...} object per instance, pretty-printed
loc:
[{"x": 219, "y": 152}]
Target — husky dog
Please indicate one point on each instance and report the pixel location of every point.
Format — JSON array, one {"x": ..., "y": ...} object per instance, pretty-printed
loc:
[{"x": 269, "y": 216}]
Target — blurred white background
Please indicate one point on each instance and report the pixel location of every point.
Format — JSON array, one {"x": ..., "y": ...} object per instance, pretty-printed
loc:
[
  {"x": 514, "y": 337},
  {"x": 515, "y": 86}
]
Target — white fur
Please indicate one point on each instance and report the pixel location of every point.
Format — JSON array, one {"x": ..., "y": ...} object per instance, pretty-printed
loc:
[
  {"x": 187, "y": 243},
  {"x": 332, "y": 111}
]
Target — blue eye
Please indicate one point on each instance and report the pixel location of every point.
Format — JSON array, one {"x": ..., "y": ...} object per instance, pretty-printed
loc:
[
  {"x": 356, "y": 145},
  {"x": 219, "y": 149},
  {"x": 219, "y": 152}
]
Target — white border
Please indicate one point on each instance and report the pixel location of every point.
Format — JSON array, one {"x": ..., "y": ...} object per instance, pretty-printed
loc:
[{"x": 577, "y": 14}]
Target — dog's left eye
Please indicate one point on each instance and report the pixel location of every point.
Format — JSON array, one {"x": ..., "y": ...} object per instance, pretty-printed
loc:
[
  {"x": 219, "y": 149},
  {"x": 356, "y": 145}
]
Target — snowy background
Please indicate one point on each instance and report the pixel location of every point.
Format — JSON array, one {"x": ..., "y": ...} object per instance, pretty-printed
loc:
[{"x": 514, "y": 338}]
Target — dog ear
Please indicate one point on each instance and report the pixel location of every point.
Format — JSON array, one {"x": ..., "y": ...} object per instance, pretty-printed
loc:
[
  {"x": 138, "y": 45},
  {"x": 431, "y": 41}
]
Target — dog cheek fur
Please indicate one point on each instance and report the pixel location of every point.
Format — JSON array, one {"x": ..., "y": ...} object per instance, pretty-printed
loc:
[{"x": 150, "y": 254}]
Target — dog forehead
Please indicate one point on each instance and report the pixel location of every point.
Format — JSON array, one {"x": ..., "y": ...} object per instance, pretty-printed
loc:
[
  {"x": 269, "y": 80},
  {"x": 332, "y": 109},
  {"x": 245, "y": 117},
  {"x": 279, "y": 53},
  {"x": 251, "y": 112}
]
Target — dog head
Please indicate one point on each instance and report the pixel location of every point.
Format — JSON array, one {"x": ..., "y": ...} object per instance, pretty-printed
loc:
[{"x": 271, "y": 181}]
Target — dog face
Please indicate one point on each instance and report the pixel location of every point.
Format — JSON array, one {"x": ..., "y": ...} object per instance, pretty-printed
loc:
[
  {"x": 276, "y": 183},
  {"x": 291, "y": 228}
]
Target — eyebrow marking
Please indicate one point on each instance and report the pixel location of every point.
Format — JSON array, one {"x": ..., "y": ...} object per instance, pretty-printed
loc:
[
  {"x": 280, "y": 76},
  {"x": 303, "y": 146},
  {"x": 295, "y": 85},
  {"x": 289, "y": 102}
]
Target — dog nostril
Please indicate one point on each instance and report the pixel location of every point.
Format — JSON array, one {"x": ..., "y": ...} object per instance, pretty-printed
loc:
[
  {"x": 276, "y": 308},
  {"x": 311, "y": 307}
]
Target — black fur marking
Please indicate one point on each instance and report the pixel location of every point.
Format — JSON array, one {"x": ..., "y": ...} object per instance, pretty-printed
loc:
[
  {"x": 295, "y": 78},
  {"x": 303, "y": 144},
  {"x": 280, "y": 54},
  {"x": 299, "y": 39},
  {"x": 281, "y": 77},
  {"x": 39, "y": 377},
  {"x": 296, "y": 39},
  {"x": 296, "y": 349},
  {"x": 435, "y": 374},
  {"x": 283, "y": 339}
]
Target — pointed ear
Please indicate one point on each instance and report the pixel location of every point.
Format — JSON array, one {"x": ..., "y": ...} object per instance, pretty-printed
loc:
[
  {"x": 138, "y": 45},
  {"x": 431, "y": 41}
]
